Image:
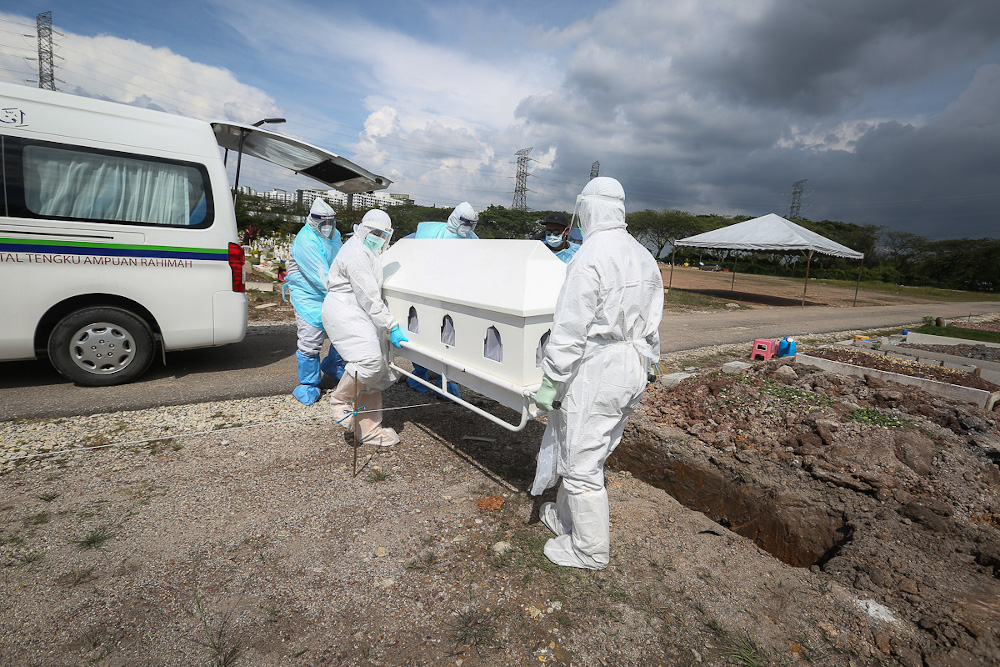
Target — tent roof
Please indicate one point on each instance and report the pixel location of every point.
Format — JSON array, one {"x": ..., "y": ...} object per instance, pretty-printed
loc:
[{"x": 768, "y": 232}]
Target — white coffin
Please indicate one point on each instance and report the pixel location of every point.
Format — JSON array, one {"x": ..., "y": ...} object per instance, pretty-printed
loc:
[{"x": 485, "y": 287}]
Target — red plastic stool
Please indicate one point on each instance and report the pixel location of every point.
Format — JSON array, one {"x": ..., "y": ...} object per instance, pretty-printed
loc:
[{"x": 765, "y": 347}]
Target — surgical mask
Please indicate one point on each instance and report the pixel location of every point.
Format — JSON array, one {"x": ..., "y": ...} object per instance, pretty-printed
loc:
[
  {"x": 326, "y": 231},
  {"x": 375, "y": 243},
  {"x": 554, "y": 240}
]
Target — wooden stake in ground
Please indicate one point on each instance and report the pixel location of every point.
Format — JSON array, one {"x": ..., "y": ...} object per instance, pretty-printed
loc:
[
  {"x": 355, "y": 424},
  {"x": 806, "y": 285}
]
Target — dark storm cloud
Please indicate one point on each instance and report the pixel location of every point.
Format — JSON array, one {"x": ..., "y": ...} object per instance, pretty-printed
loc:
[
  {"x": 697, "y": 108},
  {"x": 819, "y": 56}
]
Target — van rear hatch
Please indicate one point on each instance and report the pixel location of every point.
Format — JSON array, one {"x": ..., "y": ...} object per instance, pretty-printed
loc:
[{"x": 300, "y": 157}]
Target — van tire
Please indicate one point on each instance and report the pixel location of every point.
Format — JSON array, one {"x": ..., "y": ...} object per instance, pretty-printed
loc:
[{"x": 101, "y": 346}]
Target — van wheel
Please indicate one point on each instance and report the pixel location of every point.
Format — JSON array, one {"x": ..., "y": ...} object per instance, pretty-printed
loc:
[{"x": 100, "y": 347}]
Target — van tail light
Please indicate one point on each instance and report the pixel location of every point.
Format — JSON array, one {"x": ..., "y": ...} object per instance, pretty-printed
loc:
[{"x": 236, "y": 260}]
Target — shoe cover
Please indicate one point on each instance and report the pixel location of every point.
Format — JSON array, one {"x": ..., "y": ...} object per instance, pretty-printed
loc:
[
  {"x": 555, "y": 515},
  {"x": 588, "y": 545},
  {"x": 342, "y": 402},
  {"x": 333, "y": 365},
  {"x": 382, "y": 437},
  {"x": 306, "y": 393},
  {"x": 308, "y": 368},
  {"x": 421, "y": 373},
  {"x": 452, "y": 389},
  {"x": 370, "y": 413}
]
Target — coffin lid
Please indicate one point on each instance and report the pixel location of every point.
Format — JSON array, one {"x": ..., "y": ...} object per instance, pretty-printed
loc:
[{"x": 513, "y": 277}]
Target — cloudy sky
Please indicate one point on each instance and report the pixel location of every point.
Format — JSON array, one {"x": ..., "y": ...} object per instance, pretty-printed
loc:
[{"x": 890, "y": 108}]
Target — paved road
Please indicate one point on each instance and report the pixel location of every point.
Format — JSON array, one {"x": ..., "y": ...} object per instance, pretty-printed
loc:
[{"x": 264, "y": 363}]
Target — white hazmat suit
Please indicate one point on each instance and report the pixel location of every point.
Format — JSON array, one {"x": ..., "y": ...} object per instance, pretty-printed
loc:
[
  {"x": 357, "y": 321},
  {"x": 604, "y": 340}
]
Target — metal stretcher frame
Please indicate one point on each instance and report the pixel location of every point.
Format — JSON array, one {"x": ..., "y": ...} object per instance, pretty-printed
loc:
[{"x": 526, "y": 393}]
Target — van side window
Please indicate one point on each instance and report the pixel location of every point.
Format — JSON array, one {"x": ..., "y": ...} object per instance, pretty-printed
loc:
[{"x": 86, "y": 184}]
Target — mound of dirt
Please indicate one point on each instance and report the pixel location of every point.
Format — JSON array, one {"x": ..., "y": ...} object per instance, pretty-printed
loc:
[
  {"x": 861, "y": 357},
  {"x": 891, "y": 491}
]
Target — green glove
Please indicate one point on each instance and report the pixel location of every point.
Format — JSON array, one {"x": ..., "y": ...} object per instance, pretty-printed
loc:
[{"x": 546, "y": 394}]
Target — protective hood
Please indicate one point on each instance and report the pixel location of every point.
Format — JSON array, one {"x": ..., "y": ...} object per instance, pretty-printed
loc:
[
  {"x": 322, "y": 214},
  {"x": 601, "y": 206},
  {"x": 462, "y": 213},
  {"x": 375, "y": 219}
]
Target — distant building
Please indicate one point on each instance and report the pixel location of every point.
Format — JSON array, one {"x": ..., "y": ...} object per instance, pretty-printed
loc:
[{"x": 337, "y": 199}]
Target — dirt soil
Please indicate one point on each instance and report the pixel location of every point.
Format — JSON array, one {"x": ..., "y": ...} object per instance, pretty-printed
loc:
[
  {"x": 888, "y": 491},
  {"x": 970, "y": 350},
  {"x": 775, "y": 292},
  {"x": 861, "y": 357}
]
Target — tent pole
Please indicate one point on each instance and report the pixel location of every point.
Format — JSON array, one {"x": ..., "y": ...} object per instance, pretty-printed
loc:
[
  {"x": 733, "y": 284},
  {"x": 806, "y": 285},
  {"x": 673, "y": 260},
  {"x": 858, "y": 284}
]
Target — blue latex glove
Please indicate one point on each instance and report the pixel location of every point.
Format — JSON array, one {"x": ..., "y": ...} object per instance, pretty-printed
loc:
[
  {"x": 546, "y": 394},
  {"x": 396, "y": 336}
]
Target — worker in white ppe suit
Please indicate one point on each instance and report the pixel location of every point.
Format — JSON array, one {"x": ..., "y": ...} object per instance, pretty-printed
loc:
[
  {"x": 358, "y": 321},
  {"x": 461, "y": 225},
  {"x": 313, "y": 251},
  {"x": 604, "y": 340}
]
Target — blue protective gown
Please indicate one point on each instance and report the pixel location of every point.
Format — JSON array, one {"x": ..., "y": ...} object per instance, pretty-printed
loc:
[
  {"x": 439, "y": 230},
  {"x": 567, "y": 253},
  {"x": 312, "y": 256}
]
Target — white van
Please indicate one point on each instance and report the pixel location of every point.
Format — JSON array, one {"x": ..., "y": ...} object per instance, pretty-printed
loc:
[{"x": 118, "y": 234}]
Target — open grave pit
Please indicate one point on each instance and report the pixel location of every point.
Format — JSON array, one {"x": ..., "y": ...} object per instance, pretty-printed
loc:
[{"x": 891, "y": 491}]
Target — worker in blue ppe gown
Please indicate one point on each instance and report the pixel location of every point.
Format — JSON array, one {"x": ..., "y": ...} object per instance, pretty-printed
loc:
[
  {"x": 604, "y": 340},
  {"x": 313, "y": 251},
  {"x": 557, "y": 236},
  {"x": 461, "y": 225},
  {"x": 361, "y": 327}
]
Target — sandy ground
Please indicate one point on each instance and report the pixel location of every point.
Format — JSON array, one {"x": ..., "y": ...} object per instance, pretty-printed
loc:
[
  {"x": 775, "y": 292},
  {"x": 821, "y": 521}
]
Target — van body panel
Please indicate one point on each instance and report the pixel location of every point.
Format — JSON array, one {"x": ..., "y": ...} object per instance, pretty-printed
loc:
[
  {"x": 58, "y": 148},
  {"x": 321, "y": 165},
  {"x": 229, "y": 310}
]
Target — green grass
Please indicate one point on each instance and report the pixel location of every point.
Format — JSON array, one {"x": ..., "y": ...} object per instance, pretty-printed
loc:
[
  {"x": 921, "y": 292},
  {"x": 679, "y": 299},
  {"x": 94, "y": 538},
  {"x": 878, "y": 418},
  {"x": 959, "y": 332},
  {"x": 36, "y": 519}
]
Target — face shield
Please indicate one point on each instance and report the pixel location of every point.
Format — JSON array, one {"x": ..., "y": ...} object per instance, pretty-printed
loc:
[
  {"x": 376, "y": 240},
  {"x": 325, "y": 225},
  {"x": 466, "y": 226}
]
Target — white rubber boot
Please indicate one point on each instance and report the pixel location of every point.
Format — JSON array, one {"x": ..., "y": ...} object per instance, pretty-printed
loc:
[
  {"x": 370, "y": 421},
  {"x": 555, "y": 515},
  {"x": 588, "y": 544},
  {"x": 342, "y": 402}
]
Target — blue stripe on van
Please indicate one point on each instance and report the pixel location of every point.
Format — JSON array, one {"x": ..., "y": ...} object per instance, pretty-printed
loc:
[{"x": 13, "y": 245}]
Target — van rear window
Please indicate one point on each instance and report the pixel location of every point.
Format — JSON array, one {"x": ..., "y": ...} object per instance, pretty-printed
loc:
[{"x": 63, "y": 182}]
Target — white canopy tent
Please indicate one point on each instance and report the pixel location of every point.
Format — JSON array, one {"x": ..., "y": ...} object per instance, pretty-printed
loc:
[{"x": 770, "y": 233}]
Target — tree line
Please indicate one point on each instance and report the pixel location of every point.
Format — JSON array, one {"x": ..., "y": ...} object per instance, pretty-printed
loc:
[{"x": 891, "y": 256}]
